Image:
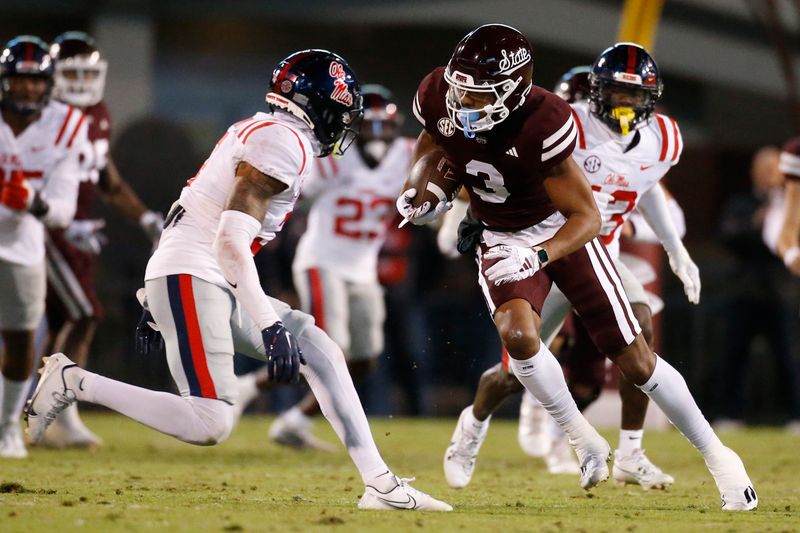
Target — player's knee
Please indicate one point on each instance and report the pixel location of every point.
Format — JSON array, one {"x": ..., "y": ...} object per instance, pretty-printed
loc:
[
  {"x": 319, "y": 348},
  {"x": 213, "y": 423},
  {"x": 637, "y": 361},
  {"x": 521, "y": 341}
]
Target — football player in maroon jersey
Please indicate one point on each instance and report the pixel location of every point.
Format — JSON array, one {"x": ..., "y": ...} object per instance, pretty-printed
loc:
[
  {"x": 73, "y": 308},
  {"x": 538, "y": 226}
]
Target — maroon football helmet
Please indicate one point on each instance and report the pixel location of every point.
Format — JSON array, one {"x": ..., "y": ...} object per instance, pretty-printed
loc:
[
  {"x": 380, "y": 125},
  {"x": 80, "y": 77},
  {"x": 574, "y": 84},
  {"x": 489, "y": 74}
]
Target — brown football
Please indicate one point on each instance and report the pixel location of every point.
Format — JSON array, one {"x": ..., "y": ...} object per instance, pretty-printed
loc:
[{"x": 433, "y": 175}]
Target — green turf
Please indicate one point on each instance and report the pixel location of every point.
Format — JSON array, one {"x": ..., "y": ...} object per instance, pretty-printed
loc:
[{"x": 143, "y": 481}]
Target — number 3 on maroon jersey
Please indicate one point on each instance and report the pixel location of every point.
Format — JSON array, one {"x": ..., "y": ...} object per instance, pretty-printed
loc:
[{"x": 494, "y": 191}]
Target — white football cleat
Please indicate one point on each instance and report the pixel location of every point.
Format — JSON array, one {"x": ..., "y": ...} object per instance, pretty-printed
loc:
[
  {"x": 390, "y": 493},
  {"x": 52, "y": 395},
  {"x": 735, "y": 488},
  {"x": 460, "y": 456},
  {"x": 561, "y": 458},
  {"x": 635, "y": 468},
  {"x": 59, "y": 436},
  {"x": 293, "y": 429},
  {"x": 593, "y": 454},
  {"x": 11, "y": 444},
  {"x": 532, "y": 433}
]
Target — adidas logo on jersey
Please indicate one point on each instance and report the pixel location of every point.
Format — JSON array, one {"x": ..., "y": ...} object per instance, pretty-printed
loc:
[{"x": 512, "y": 152}]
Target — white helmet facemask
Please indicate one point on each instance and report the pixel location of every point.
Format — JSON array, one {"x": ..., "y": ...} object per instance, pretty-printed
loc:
[
  {"x": 472, "y": 120},
  {"x": 80, "y": 80}
]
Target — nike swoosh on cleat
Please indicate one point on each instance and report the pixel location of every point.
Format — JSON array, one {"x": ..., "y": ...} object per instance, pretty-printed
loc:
[
  {"x": 400, "y": 504},
  {"x": 234, "y": 285},
  {"x": 80, "y": 385}
]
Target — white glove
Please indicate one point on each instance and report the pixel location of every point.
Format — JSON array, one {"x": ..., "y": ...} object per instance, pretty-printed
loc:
[
  {"x": 422, "y": 214},
  {"x": 517, "y": 263},
  {"x": 86, "y": 236},
  {"x": 152, "y": 222},
  {"x": 682, "y": 265}
]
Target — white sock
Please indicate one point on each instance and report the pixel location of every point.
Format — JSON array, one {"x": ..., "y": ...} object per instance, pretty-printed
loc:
[
  {"x": 543, "y": 377},
  {"x": 667, "y": 388},
  {"x": 475, "y": 424},
  {"x": 554, "y": 431},
  {"x": 194, "y": 420},
  {"x": 327, "y": 375},
  {"x": 13, "y": 399},
  {"x": 629, "y": 440}
]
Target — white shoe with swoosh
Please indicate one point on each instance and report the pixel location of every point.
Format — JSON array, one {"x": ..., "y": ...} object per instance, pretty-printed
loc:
[{"x": 398, "y": 496}]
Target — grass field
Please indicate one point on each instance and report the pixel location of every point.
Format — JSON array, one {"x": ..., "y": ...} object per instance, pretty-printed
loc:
[{"x": 143, "y": 481}]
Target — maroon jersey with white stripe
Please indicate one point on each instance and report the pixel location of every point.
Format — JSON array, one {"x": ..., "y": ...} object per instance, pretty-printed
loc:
[
  {"x": 504, "y": 168},
  {"x": 790, "y": 159},
  {"x": 94, "y": 157}
]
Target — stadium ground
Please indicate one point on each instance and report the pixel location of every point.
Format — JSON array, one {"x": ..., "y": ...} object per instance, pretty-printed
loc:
[{"x": 143, "y": 481}]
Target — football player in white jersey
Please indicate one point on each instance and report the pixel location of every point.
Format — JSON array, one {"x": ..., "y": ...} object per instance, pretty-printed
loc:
[
  {"x": 336, "y": 262},
  {"x": 204, "y": 296},
  {"x": 624, "y": 151},
  {"x": 40, "y": 142}
]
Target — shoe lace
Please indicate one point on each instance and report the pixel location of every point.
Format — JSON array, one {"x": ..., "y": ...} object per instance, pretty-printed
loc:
[
  {"x": 643, "y": 464},
  {"x": 62, "y": 401}
]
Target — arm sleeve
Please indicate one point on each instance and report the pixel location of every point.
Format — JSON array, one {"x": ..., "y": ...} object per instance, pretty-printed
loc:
[
  {"x": 61, "y": 190},
  {"x": 644, "y": 233},
  {"x": 655, "y": 210},
  {"x": 276, "y": 151},
  {"x": 235, "y": 233}
]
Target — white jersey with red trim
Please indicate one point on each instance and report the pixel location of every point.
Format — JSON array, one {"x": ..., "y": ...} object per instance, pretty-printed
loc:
[
  {"x": 352, "y": 207},
  {"x": 624, "y": 167},
  {"x": 48, "y": 154},
  {"x": 275, "y": 144}
]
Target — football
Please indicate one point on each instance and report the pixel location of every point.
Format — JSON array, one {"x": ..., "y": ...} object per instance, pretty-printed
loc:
[{"x": 435, "y": 178}]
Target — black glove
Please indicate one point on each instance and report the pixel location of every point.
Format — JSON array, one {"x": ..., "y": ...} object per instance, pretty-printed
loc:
[
  {"x": 283, "y": 354},
  {"x": 469, "y": 234},
  {"x": 148, "y": 339}
]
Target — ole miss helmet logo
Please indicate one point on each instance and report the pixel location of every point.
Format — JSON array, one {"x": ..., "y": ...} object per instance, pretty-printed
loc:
[{"x": 341, "y": 93}]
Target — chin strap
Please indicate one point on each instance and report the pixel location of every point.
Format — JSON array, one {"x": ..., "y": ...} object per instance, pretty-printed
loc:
[
  {"x": 625, "y": 116},
  {"x": 467, "y": 118}
]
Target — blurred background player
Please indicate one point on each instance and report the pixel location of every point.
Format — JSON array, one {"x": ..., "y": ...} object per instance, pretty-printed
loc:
[
  {"x": 762, "y": 303},
  {"x": 336, "y": 262},
  {"x": 205, "y": 297},
  {"x": 73, "y": 309},
  {"x": 40, "y": 145}
]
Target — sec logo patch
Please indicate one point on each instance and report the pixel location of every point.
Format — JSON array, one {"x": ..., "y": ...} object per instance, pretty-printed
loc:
[
  {"x": 592, "y": 164},
  {"x": 446, "y": 127}
]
